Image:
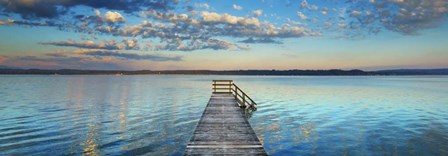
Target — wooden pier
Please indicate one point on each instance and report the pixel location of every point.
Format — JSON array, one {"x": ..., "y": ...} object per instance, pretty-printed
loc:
[{"x": 223, "y": 128}]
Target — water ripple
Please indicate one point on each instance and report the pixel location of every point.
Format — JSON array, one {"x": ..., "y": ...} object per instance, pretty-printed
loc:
[{"x": 156, "y": 115}]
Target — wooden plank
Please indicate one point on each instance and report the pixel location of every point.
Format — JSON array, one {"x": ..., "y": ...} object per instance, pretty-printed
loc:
[
  {"x": 224, "y": 143},
  {"x": 222, "y": 92},
  {"x": 226, "y": 146},
  {"x": 225, "y": 151},
  {"x": 211, "y": 129},
  {"x": 224, "y": 130}
]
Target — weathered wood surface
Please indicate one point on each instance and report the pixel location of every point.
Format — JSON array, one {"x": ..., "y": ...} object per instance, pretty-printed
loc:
[{"x": 224, "y": 130}]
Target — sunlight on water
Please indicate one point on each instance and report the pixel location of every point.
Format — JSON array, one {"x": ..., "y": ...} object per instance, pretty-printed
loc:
[{"x": 156, "y": 115}]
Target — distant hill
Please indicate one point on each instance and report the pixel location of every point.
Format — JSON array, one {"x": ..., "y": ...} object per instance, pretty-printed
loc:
[
  {"x": 442, "y": 71},
  {"x": 335, "y": 72}
]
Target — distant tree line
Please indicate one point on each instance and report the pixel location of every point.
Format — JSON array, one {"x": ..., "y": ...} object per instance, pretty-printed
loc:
[{"x": 225, "y": 72}]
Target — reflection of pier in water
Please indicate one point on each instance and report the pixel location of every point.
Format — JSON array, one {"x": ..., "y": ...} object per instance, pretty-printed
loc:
[{"x": 223, "y": 127}]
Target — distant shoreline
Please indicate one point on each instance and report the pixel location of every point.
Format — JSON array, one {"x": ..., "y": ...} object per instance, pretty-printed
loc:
[{"x": 332, "y": 72}]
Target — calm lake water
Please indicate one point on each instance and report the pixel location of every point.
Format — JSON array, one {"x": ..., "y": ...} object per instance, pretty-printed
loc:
[{"x": 156, "y": 115}]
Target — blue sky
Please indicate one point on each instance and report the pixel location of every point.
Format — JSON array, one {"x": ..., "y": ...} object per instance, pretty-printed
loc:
[{"x": 224, "y": 35}]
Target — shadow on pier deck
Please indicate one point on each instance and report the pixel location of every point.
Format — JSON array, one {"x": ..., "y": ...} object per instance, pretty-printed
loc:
[{"x": 223, "y": 128}]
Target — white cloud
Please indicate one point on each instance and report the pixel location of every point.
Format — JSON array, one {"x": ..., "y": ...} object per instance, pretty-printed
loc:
[
  {"x": 110, "y": 16},
  {"x": 407, "y": 16},
  {"x": 324, "y": 11},
  {"x": 398, "y": 1},
  {"x": 107, "y": 45},
  {"x": 213, "y": 17},
  {"x": 356, "y": 13},
  {"x": 302, "y": 16},
  {"x": 314, "y": 7},
  {"x": 203, "y": 5},
  {"x": 258, "y": 12},
  {"x": 237, "y": 7},
  {"x": 131, "y": 44}
]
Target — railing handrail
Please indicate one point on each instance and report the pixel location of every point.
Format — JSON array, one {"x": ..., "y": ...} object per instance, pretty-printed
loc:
[
  {"x": 228, "y": 87},
  {"x": 222, "y": 80},
  {"x": 244, "y": 94}
]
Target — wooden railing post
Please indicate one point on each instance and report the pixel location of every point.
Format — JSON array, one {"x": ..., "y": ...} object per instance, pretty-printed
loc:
[
  {"x": 244, "y": 100},
  {"x": 214, "y": 86},
  {"x": 230, "y": 86},
  {"x": 235, "y": 91}
]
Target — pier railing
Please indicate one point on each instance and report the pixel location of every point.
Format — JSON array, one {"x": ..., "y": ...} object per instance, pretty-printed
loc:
[
  {"x": 222, "y": 86},
  {"x": 228, "y": 87}
]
